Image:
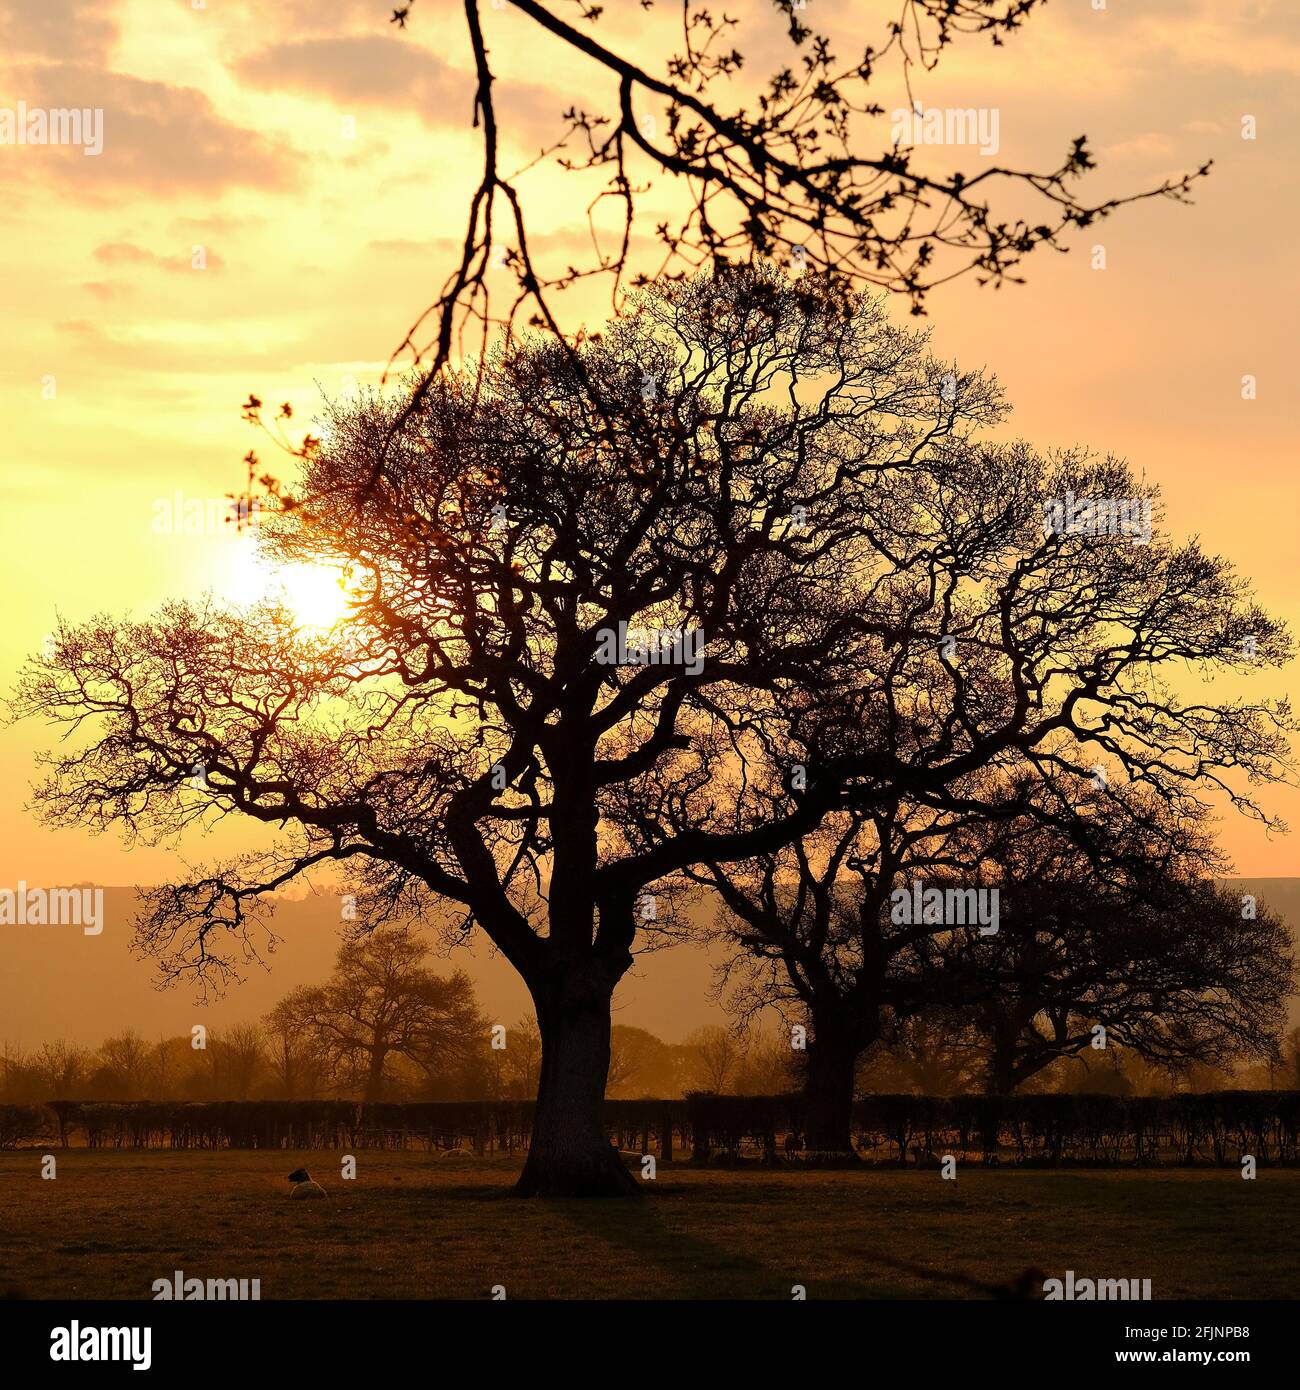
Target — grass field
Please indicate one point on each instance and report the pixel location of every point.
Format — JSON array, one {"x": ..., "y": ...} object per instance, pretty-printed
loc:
[{"x": 414, "y": 1226}]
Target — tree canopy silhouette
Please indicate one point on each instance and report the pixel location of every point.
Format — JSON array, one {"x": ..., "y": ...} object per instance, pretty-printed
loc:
[
  {"x": 748, "y": 563},
  {"x": 1106, "y": 915},
  {"x": 1177, "y": 972},
  {"x": 381, "y": 1003}
]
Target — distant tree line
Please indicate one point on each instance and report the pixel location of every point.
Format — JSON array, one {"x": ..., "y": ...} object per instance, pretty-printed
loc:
[
  {"x": 927, "y": 1055},
  {"x": 383, "y": 1027}
]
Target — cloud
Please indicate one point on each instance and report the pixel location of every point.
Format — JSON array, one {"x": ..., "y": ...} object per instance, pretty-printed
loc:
[
  {"x": 394, "y": 73},
  {"x": 1149, "y": 144},
  {"x": 127, "y": 253},
  {"x": 298, "y": 16},
  {"x": 164, "y": 138},
  {"x": 67, "y": 30},
  {"x": 1255, "y": 38},
  {"x": 367, "y": 69}
]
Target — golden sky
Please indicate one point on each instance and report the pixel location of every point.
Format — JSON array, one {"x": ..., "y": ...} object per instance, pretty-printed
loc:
[{"x": 321, "y": 160}]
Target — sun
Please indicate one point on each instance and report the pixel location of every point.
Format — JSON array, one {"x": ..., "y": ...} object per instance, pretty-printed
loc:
[{"x": 316, "y": 594}]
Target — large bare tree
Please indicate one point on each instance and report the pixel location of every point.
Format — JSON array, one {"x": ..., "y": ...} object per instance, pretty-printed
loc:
[{"x": 740, "y": 564}]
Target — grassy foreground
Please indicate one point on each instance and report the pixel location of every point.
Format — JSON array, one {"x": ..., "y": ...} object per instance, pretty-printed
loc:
[{"x": 416, "y": 1226}]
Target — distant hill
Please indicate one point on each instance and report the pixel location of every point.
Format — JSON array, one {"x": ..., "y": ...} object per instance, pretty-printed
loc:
[{"x": 57, "y": 983}]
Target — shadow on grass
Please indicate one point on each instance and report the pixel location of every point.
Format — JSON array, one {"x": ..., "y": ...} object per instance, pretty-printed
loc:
[
  {"x": 699, "y": 1267},
  {"x": 477, "y": 1192},
  {"x": 689, "y": 1264},
  {"x": 704, "y": 1268}
]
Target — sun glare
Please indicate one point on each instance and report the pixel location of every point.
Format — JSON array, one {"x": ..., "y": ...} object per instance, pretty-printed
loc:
[{"x": 315, "y": 594}]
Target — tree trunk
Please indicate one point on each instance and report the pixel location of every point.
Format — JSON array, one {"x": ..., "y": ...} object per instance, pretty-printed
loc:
[
  {"x": 1001, "y": 1077},
  {"x": 570, "y": 1155},
  {"x": 828, "y": 1093},
  {"x": 375, "y": 1077}
]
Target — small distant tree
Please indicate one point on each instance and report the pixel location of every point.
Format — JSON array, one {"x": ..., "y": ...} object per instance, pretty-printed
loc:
[
  {"x": 293, "y": 1055},
  {"x": 1291, "y": 1059},
  {"x": 932, "y": 1053},
  {"x": 176, "y": 1070},
  {"x": 163, "y": 1075},
  {"x": 383, "y": 1003},
  {"x": 237, "y": 1059},
  {"x": 63, "y": 1069},
  {"x": 716, "y": 1056},
  {"x": 124, "y": 1065},
  {"x": 522, "y": 1058},
  {"x": 640, "y": 1064},
  {"x": 767, "y": 1066},
  {"x": 19, "y": 1078}
]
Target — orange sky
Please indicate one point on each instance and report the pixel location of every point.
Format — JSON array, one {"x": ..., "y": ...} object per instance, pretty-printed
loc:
[{"x": 230, "y": 128}]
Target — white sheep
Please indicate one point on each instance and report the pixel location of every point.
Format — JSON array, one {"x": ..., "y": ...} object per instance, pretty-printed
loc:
[{"x": 303, "y": 1185}]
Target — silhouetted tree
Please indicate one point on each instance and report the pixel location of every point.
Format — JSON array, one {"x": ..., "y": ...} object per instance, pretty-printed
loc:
[
  {"x": 19, "y": 1078},
  {"x": 380, "y": 1004},
  {"x": 236, "y": 1058},
  {"x": 63, "y": 1068},
  {"x": 715, "y": 1056},
  {"x": 522, "y": 1059},
  {"x": 1102, "y": 924},
  {"x": 293, "y": 1053},
  {"x": 635, "y": 1056},
  {"x": 766, "y": 1066},
  {"x": 1114, "y": 937},
  {"x": 124, "y": 1060},
  {"x": 1182, "y": 980},
  {"x": 931, "y": 1053},
  {"x": 745, "y": 567},
  {"x": 811, "y": 936},
  {"x": 1291, "y": 1058}
]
